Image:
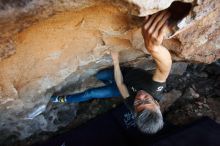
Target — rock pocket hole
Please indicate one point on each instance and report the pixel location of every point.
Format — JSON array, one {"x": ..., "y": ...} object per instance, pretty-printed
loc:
[{"x": 179, "y": 11}]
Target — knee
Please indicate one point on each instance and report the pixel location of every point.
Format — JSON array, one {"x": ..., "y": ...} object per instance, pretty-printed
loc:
[
  {"x": 98, "y": 75},
  {"x": 104, "y": 74}
]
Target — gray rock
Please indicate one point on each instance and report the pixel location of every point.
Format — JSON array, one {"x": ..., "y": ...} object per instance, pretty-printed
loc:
[
  {"x": 169, "y": 99},
  {"x": 203, "y": 75},
  {"x": 206, "y": 105},
  {"x": 178, "y": 68},
  {"x": 190, "y": 94},
  {"x": 193, "y": 93},
  {"x": 199, "y": 114},
  {"x": 199, "y": 103}
]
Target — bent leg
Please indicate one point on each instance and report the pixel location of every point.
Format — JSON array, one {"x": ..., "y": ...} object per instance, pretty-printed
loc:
[
  {"x": 106, "y": 76},
  {"x": 100, "y": 92}
]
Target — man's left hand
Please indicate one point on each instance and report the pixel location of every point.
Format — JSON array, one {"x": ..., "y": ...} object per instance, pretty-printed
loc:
[{"x": 115, "y": 56}]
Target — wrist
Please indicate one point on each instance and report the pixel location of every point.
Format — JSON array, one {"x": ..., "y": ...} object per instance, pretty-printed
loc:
[
  {"x": 115, "y": 62},
  {"x": 153, "y": 49}
]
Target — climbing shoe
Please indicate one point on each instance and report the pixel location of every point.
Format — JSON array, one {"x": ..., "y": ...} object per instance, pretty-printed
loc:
[{"x": 61, "y": 99}]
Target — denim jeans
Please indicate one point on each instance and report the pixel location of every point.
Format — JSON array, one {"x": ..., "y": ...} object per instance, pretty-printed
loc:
[{"x": 109, "y": 90}]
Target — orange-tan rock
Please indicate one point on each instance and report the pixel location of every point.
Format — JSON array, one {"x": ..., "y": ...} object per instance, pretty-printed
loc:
[{"x": 47, "y": 46}]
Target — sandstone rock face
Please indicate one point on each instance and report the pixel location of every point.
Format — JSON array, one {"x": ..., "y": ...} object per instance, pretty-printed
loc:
[
  {"x": 198, "y": 37},
  {"x": 53, "y": 53},
  {"x": 45, "y": 46}
]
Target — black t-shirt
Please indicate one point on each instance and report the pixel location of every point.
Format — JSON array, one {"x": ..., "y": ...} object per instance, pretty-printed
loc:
[{"x": 138, "y": 79}]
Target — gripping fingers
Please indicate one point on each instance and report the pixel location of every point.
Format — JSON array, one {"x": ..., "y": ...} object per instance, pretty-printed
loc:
[
  {"x": 149, "y": 22},
  {"x": 156, "y": 21},
  {"x": 161, "y": 23},
  {"x": 162, "y": 32},
  {"x": 146, "y": 18},
  {"x": 145, "y": 21}
]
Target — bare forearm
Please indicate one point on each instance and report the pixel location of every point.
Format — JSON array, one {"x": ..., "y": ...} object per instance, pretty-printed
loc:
[
  {"x": 163, "y": 60},
  {"x": 119, "y": 80},
  {"x": 117, "y": 73}
]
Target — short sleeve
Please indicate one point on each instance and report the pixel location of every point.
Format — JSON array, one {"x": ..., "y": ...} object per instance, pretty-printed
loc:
[
  {"x": 155, "y": 89},
  {"x": 139, "y": 79}
]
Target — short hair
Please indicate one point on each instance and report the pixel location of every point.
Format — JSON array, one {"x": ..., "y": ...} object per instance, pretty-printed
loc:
[{"x": 149, "y": 121}]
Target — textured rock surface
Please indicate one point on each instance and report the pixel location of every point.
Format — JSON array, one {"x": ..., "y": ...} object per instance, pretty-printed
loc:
[
  {"x": 55, "y": 53},
  {"x": 199, "y": 40},
  {"x": 199, "y": 86},
  {"x": 186, "y": 99},
  {"x": 198, "y": 33},
  {"x": 48, "y": 45},
  {"x": 147, "y": 7}
]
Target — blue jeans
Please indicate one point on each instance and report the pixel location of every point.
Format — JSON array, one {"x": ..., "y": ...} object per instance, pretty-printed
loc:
[{"x": 109, "y": 90}]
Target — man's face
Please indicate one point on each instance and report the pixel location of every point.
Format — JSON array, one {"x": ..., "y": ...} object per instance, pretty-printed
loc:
[{"x": 143, "y": 101}]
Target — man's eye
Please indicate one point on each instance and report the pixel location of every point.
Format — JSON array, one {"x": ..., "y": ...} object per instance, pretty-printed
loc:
[{"x": 145, "y": 101}]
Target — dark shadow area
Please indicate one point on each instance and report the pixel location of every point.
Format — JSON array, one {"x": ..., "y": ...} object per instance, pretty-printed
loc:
[
  {"x": 179, "y": 10},
  {"x": 117, "y": 127}
]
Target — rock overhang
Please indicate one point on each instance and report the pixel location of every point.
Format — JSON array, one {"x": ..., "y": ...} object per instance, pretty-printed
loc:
[{"x": 41, "y": 50}]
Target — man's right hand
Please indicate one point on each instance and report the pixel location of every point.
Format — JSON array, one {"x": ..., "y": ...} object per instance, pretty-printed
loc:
[{"x": 153, "y": 30}]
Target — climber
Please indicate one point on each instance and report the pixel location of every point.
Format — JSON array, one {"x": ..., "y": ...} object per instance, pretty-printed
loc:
[{"x": 145, "y": 87}]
